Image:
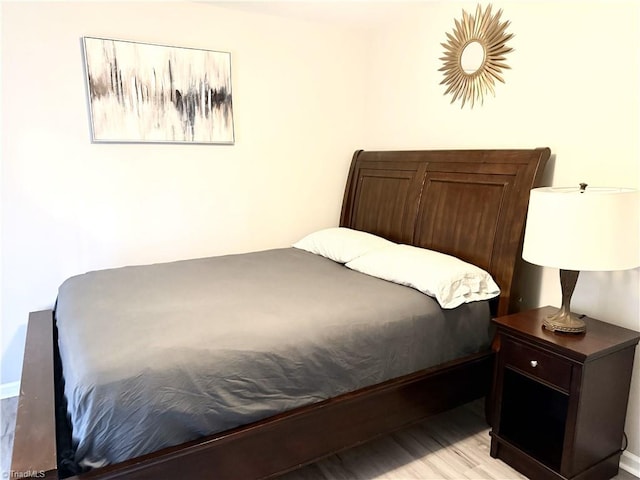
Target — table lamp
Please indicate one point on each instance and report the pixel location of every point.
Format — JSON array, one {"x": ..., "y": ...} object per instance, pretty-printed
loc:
[{"x": 581, "y": 228}]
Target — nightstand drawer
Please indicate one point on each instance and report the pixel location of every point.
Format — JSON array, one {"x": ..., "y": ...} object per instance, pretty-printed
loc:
[{"x": 537, "y": 363}]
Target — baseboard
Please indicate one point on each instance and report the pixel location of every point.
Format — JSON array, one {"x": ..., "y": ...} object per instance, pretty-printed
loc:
[
  {"x": 630, "y": 463},
  {"x": 8, "y": 390}
]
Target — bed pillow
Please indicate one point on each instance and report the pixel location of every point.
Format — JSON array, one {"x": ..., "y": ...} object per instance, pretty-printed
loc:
[
  {"x": 448, "y": 279},
  {"x": 341, "y": 244}
]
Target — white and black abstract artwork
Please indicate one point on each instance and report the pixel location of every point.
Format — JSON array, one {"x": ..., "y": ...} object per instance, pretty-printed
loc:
[{"x": 141, "y": 92}]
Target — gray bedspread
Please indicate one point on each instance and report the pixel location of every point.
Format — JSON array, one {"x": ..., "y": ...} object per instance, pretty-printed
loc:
[{"x": 158, "y": 355}]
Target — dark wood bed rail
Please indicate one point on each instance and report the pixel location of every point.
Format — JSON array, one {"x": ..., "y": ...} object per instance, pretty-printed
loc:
[{"x": 34, "y": 447}]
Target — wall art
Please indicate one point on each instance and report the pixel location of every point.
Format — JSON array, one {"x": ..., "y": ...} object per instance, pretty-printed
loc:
[
  {"x": 474, "y": 56},
  {"x": 141, "y": 92}
]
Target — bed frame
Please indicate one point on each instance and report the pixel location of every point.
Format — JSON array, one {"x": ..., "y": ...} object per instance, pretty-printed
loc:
[{"x": 468, "y": 203}]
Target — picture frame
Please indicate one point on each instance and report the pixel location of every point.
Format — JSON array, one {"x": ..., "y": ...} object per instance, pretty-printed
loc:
[{"x": 149, "y": 93}]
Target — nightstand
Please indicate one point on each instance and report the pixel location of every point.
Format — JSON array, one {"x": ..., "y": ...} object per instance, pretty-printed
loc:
[{"x": 559, "y": 400}]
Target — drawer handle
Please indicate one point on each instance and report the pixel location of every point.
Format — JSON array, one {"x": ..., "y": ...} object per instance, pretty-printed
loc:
[{"x": 534, "y": 363}]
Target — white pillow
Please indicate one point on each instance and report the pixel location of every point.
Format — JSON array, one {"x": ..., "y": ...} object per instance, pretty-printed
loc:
[
  {"x": 341, "y": 244},
  {"x": 448, "y": 279}
]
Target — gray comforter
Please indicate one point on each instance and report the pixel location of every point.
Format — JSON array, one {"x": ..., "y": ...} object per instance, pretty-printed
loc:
[{"x": 158, "y": 355}]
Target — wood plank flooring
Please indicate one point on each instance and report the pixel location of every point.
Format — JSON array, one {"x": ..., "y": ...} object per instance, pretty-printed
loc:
[
  {"x": 450, "y": 446},
  {"x": 8, "y": 408}
]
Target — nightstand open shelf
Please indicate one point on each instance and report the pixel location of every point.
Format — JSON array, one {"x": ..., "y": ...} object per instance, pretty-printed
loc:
[
  {"x": 560, "y": 400},
  {"x": 539, "y": 433}
]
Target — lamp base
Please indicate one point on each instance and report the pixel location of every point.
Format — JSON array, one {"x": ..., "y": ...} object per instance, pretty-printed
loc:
[{"x": 564, "y": 321}]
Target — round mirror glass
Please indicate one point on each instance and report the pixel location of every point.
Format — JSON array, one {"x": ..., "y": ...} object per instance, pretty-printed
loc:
[{"x": 472, "y": 57}]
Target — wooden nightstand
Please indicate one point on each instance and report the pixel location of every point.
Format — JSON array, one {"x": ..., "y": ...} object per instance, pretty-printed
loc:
[{"x": 559, "y": 400}]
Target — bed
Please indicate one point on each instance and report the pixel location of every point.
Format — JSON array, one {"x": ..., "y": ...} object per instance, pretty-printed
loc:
[{"x": 470, "y": 204}]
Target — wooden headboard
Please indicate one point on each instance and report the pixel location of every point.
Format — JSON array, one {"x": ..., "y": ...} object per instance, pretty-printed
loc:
[{"x": 467, "y": 203}]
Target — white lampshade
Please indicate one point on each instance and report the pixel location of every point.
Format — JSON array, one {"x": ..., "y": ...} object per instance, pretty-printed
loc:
[{"x": 595, "y": 229}]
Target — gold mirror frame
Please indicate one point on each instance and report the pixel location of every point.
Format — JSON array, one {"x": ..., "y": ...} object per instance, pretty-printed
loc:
[{"x": 490, "y": 34}]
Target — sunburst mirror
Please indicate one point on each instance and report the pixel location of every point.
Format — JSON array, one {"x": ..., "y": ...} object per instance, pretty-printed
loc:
[{"x": 474, "y": 56}]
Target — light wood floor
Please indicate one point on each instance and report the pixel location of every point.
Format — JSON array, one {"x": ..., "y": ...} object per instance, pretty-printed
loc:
[
  {"x": 8, "y": 407},
  {"x": 453, "y": 445}
]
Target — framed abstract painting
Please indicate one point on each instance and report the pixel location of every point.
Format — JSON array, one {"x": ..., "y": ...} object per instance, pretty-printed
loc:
[{"x": 141, "y": 92}]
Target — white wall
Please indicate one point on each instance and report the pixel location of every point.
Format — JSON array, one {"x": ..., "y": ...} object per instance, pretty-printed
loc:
[
  {"x": 573, "y": 86},
  {"x": 69, "y": 206}
]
